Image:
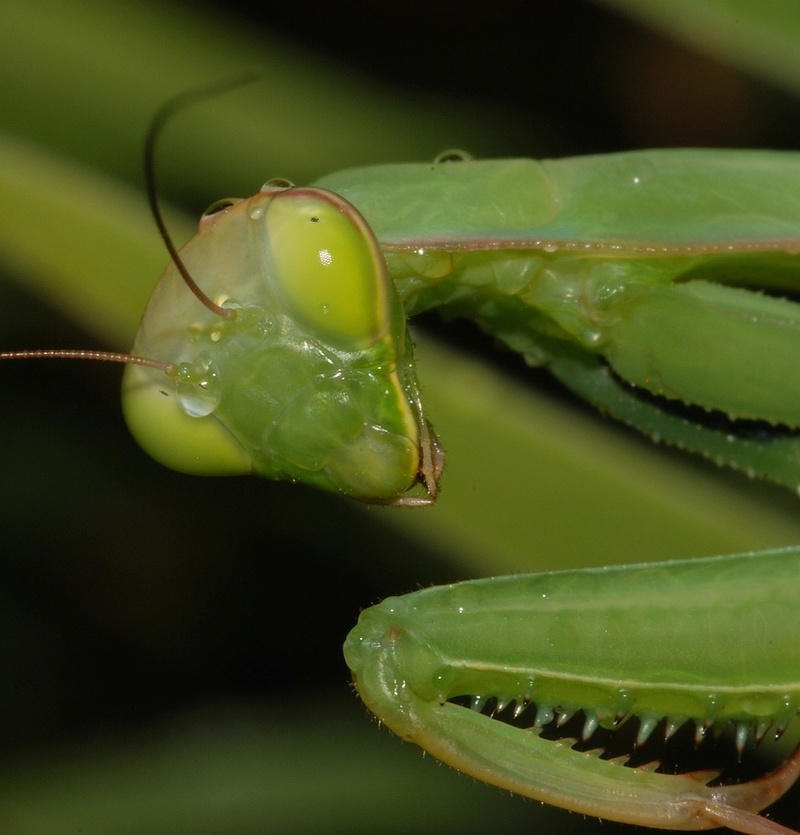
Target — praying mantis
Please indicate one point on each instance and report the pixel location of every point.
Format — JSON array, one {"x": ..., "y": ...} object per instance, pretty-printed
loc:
[
  {"x": 290, "y": 358},
  {"x": 604, "y": 291},
  {"x": 610, "y": 312}
]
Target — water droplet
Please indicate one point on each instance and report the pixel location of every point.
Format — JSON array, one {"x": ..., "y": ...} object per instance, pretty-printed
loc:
[
  {"x": 453, "y": 155},
  {"x": 277, "y": 184},
  {"x": 220, "y": 206},
  {"x": 198, "y": 387}
]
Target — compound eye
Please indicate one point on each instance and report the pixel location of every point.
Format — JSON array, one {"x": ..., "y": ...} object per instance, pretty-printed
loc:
[{"x": 328, "y": 267}]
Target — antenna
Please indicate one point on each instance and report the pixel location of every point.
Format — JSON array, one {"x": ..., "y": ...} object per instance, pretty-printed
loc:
[{"x": 164, "y": 114}]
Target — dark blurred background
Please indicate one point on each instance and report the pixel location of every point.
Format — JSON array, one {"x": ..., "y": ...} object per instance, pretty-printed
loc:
[{"x": 130, "y": 595}]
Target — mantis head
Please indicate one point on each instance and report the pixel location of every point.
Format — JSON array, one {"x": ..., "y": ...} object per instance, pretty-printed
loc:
[{"x": 300, "y": 367}]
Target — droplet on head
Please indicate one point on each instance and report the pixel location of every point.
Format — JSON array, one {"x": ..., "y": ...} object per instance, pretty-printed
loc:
[
  {"x": 220, "y": 206},
  {"x": 452, "y": 155},
  {"x": 277, "y": 184},
  {"x": 198, "y": 387}
]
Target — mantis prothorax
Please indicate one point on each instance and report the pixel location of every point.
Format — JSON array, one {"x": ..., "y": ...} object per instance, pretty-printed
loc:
[
  {"x": 617, "y": 272},
  {"x": 276, "y": 343}
]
